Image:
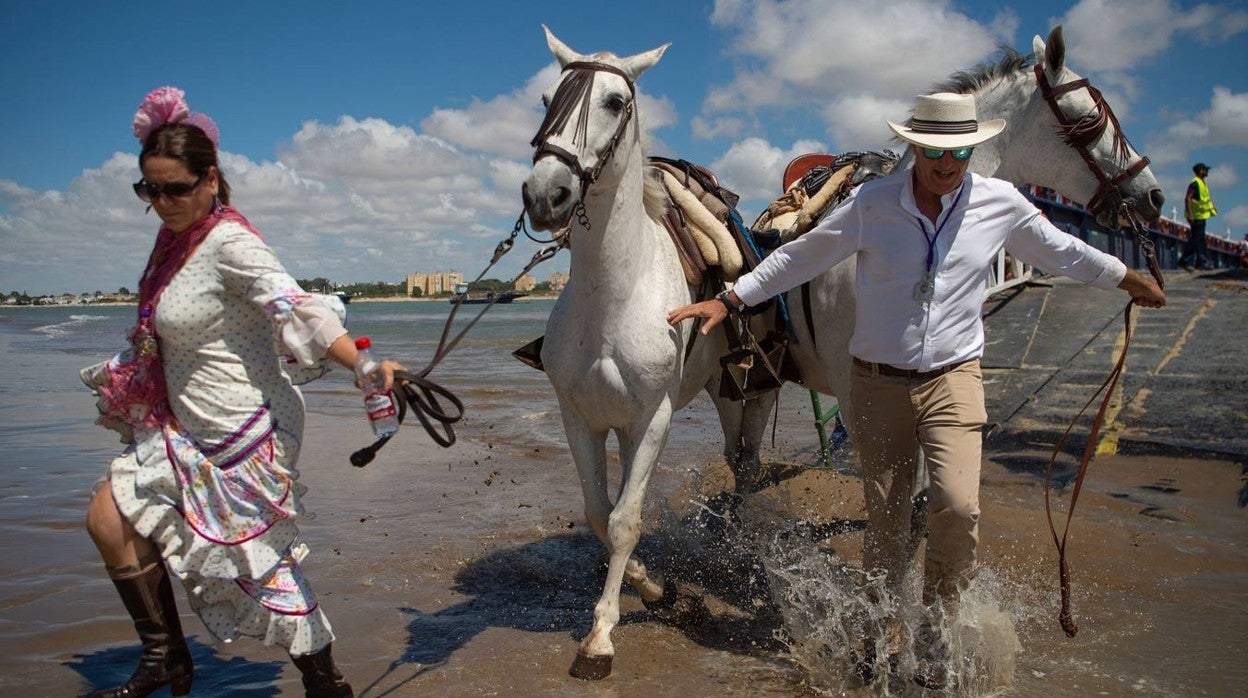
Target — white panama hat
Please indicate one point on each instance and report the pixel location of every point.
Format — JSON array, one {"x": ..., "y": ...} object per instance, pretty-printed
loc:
[{"x": 947, "y": 121}]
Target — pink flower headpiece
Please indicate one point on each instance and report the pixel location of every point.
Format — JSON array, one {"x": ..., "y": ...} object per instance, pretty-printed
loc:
[{"x": 167, "y": 105}]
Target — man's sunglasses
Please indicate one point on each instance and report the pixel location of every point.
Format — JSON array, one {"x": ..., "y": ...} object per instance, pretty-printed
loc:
[
  {"x": 148, "y": 192},
  {"x": 936, "y": 154}
]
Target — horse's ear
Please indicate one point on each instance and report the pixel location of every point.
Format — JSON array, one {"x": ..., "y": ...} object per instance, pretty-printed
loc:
[
  {"x": 634, "y": 66},
  {"x": 563, "y": 54},
  {"x": 1051, "y": 54}
]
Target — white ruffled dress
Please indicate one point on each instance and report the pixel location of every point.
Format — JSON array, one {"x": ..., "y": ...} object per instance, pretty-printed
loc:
[{"x": 217, "y": 490}]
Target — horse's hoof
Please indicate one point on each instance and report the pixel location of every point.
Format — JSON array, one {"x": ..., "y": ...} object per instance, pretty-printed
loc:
[
  {"x": 679, "y": 606},
  {"x": 591, "y": 668}
]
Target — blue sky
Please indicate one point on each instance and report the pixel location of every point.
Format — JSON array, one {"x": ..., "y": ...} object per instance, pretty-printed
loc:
[{"x": 369, "y": 140}]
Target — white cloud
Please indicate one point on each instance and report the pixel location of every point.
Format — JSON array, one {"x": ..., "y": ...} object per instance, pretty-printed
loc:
[
  {"x": 93, "y": 236},
  {"x": 358, "y": 200},
  {"x": 1143, "y": 31},
  {"x": 1225, "y": 122},
  {"x": 706, "y": 128},
  {"x": 499, "y": 126},
  {"x": 1236, "y": 219},
  {"x": 656, "y": 112},
  {"x": 859, "y": 121},
  {"x": 753, "y": 167},
  {"x": 835, "y": 55},
  {"x": 1221, "y": 177}
]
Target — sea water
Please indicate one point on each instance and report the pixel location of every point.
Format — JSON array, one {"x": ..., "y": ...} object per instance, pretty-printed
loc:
[{"x": 1144, "y": 634}]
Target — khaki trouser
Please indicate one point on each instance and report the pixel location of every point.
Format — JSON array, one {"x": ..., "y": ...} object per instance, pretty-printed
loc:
[{"x": 893, "y": 417}]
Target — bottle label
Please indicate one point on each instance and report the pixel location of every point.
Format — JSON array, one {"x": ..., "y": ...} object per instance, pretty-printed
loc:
[{"x": 379, "y": 405}]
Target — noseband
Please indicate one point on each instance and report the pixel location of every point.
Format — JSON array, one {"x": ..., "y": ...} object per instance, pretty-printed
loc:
[
  {"x": 576, "y": 90},
  {"x": 1085, "y": 131}
]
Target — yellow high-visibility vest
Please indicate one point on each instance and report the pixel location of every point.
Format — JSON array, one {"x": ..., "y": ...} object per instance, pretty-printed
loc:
[{"x": 1201, "y": 206}]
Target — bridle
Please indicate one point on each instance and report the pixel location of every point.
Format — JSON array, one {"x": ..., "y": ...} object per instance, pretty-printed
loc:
[
  {"x": 1079, "y": 134},
  {"x": 574, "y": 91},
  {"x": 1086, "y": 130}
]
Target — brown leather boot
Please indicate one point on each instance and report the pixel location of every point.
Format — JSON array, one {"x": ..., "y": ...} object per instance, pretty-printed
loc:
[
  {"x": 166, "y": 660},
  {"x": 321, "y": 679}
]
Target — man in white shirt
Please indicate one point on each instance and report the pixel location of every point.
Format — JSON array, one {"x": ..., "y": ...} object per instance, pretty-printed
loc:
[{"x": 924, "y": 240}]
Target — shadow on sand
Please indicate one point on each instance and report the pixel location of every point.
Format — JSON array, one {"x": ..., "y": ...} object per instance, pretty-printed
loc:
[
  {"x": 724, "y": 601},
  {"x": 214, "y": 676}
]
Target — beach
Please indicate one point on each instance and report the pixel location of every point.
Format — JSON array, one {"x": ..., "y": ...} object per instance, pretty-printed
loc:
[{"x": 469, "y": 571}]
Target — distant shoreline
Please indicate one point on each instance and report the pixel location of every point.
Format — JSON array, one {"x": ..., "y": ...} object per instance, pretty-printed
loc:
[
  {"x": 354, "y": 299},
  {"x": 445, "y": 299}
]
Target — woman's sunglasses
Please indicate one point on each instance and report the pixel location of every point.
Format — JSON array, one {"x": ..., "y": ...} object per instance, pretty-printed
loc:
[
  {"x": 936, "y": 154},
  {"x": 146, "y": 191}
]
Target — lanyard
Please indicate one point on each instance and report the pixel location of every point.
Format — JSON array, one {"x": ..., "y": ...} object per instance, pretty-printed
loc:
[{"x": 931, "y": 242}]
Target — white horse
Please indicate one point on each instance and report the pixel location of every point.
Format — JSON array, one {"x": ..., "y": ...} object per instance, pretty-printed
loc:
[
  {"x": 615, "y": 364},
  {"x": 1037, "y": 147}
]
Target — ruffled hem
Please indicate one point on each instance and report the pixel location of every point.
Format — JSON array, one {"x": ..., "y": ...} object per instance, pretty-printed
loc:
[
  {"x": 229, "y": 613},
  {"x": 216, "y": 576}
]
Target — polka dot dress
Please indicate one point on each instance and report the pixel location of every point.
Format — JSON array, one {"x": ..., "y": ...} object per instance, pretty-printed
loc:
[{"x": 218, "y": 491}]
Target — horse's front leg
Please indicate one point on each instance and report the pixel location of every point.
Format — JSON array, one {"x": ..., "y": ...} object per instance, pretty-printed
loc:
[{"x": 637, "y": 458}]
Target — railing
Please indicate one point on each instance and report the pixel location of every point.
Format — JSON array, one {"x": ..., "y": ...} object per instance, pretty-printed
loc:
[{"x": 1007, "y": 272}]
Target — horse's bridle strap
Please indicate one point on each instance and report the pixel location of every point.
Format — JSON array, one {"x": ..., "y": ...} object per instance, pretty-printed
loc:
[
  {"x": 544, "y": 147},
  {"x": 1109, "y": 185}
]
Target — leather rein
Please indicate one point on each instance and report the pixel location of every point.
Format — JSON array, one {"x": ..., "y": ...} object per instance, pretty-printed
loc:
[
  {"x": 1079, "y": 135},
  {"x": 417, "y": 392}
]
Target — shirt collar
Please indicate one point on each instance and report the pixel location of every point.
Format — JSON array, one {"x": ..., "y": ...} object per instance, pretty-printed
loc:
[{"x": 907, "y": 193}]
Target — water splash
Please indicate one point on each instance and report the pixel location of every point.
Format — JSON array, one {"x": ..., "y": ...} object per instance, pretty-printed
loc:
[
  {"x": 755, "y": 553},
  {"x": 831, "y": 609}
]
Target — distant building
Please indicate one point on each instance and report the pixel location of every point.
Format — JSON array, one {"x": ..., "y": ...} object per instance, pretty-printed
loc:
[
  {"x": 434, "y": 283},
  {"x": 526, "y": 283},
  {"x": 557, "y": 281}
]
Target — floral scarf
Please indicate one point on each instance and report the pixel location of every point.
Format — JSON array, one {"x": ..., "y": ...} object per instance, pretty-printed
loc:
[{"x": 135, "y": 391}]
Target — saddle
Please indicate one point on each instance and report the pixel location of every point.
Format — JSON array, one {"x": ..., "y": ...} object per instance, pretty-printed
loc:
[
  {"x": 816, "y": 183},
  {"x": 715, "y": 248},
  {"x": 701, "y": 218}
]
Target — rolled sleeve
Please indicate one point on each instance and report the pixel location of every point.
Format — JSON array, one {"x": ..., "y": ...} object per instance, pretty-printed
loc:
[{"x": 1036, "y": 241}]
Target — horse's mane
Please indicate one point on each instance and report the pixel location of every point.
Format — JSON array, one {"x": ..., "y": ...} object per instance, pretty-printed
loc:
[
  {"x": 967, "y": 81},
  {"x": 654, "y": 197}
]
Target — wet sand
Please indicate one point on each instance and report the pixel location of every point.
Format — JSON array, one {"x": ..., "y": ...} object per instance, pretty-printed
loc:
[{"x": 470, "y": 572}]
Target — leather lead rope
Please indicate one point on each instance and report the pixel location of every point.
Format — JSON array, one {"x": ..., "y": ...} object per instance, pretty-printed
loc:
[
  {"x": 1065, "y": 617},
  {"x": 418, "y": 391}
]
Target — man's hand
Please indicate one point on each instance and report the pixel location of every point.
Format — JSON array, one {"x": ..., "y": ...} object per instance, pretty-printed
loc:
[
  {"x": 713, "y": 310},
  {"x": 1144, "y": 291}
]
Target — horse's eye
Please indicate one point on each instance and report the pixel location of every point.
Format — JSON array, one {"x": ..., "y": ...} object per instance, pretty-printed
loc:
[
  {"x": 615, "y": 104},
  {"x": 545, "y": 102}
]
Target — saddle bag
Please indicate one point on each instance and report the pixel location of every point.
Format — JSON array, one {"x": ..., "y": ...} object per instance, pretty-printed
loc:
[{"x": 748, "y": 372}]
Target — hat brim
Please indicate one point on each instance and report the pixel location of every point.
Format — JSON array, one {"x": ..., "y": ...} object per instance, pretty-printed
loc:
[{"x": 947, "y": 141}]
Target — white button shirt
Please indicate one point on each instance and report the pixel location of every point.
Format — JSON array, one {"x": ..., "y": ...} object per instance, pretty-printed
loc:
[{"x": 881, "y": 223}]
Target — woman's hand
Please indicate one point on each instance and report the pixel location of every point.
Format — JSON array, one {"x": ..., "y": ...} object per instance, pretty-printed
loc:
[
  {"x": 387, "y": 367},
  {"x": 343, "y": 352}
]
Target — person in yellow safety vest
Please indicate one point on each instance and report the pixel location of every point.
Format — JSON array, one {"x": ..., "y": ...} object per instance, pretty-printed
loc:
[{"x": 1198, "y": 208}]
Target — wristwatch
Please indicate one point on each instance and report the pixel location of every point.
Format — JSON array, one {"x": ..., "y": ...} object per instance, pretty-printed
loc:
[{"x": 722, "y": 297}]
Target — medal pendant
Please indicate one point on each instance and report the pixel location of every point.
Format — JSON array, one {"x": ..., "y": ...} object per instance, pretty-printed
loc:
[{"x": 925, "y": 289}]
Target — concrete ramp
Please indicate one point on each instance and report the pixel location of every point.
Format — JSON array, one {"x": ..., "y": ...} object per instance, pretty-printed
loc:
[{"x": 1184, "y": 390}]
